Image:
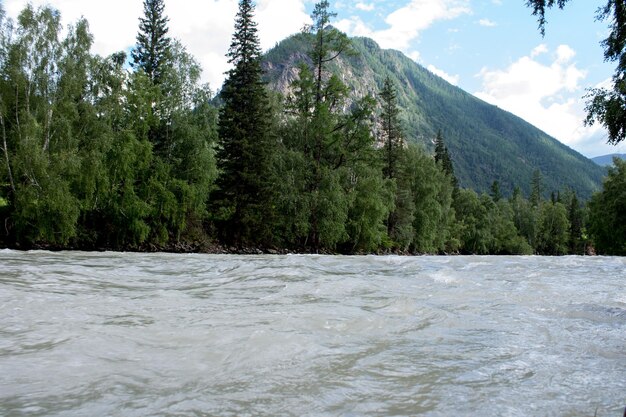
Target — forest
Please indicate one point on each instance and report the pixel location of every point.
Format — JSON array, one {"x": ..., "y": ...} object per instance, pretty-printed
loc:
[{"x": 133, "y": 152}]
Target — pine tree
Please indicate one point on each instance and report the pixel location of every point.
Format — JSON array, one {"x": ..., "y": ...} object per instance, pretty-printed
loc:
[
  {"x": 152, "y": 53},
  {"x": 244, "y": 194}
]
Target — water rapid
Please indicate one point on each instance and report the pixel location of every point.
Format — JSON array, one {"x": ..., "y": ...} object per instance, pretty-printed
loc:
[{"x": 121, "y": 334}]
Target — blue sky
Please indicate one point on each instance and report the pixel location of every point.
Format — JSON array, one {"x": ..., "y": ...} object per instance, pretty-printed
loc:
[{"x": 490, "y": 48}]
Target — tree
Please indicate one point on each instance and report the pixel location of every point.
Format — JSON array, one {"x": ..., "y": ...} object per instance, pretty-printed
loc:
[
  {"x": 330, "y": 43},
  {"x": 391, "y": 130},
  {"x": 496, "y": 194},
  {"x": 392, "y": 142},
  {"x": 575, "y": 218},
  {"x": 604, "y": 106},
  {"x": 442, "y": 157},
  {"x": 431, "y": 198},
  {"x": 40, "y": 157},
  {"x": 245, "y": 193},
  {"x": 553, "y": 229},
  {"x": 524, "y": 217},
  {"x": 332, "y": 142},
  {"x": 152, "y": 53},
  {"x": 153, "y": 56},
  {"x": 607, "y": 212},
  {"x": 536, "y": 188}
]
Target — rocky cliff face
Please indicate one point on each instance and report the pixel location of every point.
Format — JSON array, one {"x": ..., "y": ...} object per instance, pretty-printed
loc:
[{"x": 282, "y": 74}]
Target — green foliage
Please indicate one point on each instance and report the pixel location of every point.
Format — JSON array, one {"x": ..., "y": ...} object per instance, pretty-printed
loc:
[
  {"x": 553, "y": 229},
  {"x": 431, "y": 195},
  {"x": 152, "y": 54},
  {"x": 371, "y": 202},
  {"x": 294, "y": 202},
  {"x": 330, "y": 210},
  {"x": 77, "y": 159},
  {"x": 488, "y": 227},
  {"x": 391, "y": 130},
  {"x": 536, "y": 188},
  {"x": 576, "y": 219},
  {"x": 524, "y": 218},
  {"x": 496, "y": 194},
  {"x": 245, "y": 193},
  {"x": 96, "y": 157},
  {"x": 442, "y": 157},
  {"x": 341, "y": 191},
  {"x": 607, "y": 213},
  {"x": 484, "y": 142},
  {"x": 507, "y": 238}
]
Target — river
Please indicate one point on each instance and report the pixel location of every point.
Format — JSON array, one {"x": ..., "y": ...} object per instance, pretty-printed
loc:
[{"x": 121, "y": 334}]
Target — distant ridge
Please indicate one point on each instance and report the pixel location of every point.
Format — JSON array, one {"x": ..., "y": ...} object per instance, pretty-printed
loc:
[
  {"x": 485, "y": 142},
  {"x": 607, "y": 160}
]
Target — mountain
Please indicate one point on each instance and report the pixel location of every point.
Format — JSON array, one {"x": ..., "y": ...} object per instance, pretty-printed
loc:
[
  {"x": 486, "y": 143},
  {"x": 606, "y": 160}
]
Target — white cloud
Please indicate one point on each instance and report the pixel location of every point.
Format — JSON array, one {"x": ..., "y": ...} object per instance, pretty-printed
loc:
[
  {"x": 405, "y": 24},
  {"x": 113, "y": 31},
  {"x": 204, "y": 27},
  {"x": 548, "y": 96},
  {"x": 452, "y": 79},
  {"x": 487, "y": 23},
  {"x": 366, "y": 7},
  {"x": 539, "y": 50}
]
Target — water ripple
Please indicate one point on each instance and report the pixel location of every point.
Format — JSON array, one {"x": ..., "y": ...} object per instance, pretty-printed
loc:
[{"x": 161, "y": 334}]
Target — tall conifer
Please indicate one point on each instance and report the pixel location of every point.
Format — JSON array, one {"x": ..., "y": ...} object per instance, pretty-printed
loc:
[
  {"x": 536, "y": 188},
  {"x": 152, "y": 53},
  {"x": 391, "y": 129},
  {"x": 246, "y": 146},
  {"x": 442, "y": 156}
]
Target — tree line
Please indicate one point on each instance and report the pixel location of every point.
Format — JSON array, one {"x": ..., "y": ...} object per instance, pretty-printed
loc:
[{"x": 97, "y": 155}]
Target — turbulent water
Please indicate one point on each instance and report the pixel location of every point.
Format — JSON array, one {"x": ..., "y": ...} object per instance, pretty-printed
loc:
[{"x": 85, "y": 334}]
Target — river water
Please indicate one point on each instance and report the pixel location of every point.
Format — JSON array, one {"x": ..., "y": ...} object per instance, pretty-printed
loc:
[{"x": 103, "y": 334}]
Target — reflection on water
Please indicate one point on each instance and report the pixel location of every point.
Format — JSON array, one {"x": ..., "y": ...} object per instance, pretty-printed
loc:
[{"x": 153, "y": 334}]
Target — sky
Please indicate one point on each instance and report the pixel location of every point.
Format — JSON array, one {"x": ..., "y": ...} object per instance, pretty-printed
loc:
[{"x": 489, "y": 48}]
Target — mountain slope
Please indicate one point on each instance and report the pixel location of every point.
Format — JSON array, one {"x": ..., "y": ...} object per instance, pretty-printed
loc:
[
  {"x": 485, "y": 142},
  {"x": 607, "y": 160}
]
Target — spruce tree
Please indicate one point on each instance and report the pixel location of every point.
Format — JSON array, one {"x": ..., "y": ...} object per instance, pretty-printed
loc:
[
  {"x": 391, "y": 129},
  {"x": 575, "y": 217},
  {"x": 536, "y": 188},
  {"x": 152, "y": 56},
  {"x": 496, "y": 194},
  {"x": 442, "y": 157},
  {"x": 399, "y": 228},
  {"x": 244, "y": 195},
  {"x": 152, "y": 53}
]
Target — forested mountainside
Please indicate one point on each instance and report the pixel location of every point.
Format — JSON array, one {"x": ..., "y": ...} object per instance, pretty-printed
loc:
[{"x": 486, "y": 143}]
